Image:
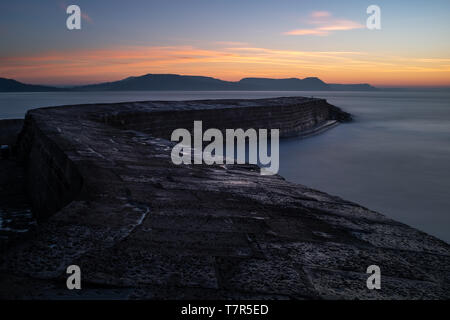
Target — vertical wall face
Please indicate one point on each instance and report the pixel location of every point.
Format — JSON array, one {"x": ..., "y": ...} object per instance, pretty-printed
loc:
[
  {"x": 52, "y": 179},
  {"x": 291, "y": 120}
]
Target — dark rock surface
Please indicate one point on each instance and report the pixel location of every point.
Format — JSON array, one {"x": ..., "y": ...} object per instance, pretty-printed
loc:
[
  {"x": 110, "y": 200},
  {"x": 11, "y": 85},
  {"x": 16, "y": 219},
  {"x": 9, "y": 130}
]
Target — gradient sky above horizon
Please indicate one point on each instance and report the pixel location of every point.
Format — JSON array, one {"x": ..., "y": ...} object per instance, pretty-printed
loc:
[{"x": 227, "y": 39}]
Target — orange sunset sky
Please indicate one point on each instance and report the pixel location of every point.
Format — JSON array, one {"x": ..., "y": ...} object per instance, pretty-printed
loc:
[{"x": 228, "y": 40}]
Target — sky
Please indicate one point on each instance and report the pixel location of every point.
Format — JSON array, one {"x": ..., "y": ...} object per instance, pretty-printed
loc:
[{"x": 227, "y": 39}]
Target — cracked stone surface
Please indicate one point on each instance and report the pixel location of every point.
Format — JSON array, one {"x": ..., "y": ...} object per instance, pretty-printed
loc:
[{"x": 109, "y": 199}]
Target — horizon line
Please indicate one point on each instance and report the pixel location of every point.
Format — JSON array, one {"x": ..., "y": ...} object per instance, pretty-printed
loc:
[{"x": 385, "y": 86}]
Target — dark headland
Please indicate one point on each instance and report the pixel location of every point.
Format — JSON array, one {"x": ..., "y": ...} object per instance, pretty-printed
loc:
[
  {"x": 170, "y": 82},
  {"x": 108, "y": 199}
]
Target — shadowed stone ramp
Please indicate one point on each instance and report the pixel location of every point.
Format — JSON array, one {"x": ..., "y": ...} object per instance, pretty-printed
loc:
[{"x": 109, "y": 199}]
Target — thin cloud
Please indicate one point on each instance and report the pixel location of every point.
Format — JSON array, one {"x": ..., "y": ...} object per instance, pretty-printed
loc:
[
  {"x": 86, "y": 17},
  {"x": 320, "y": 14},
  {"x": 339, "y": 25},
  {"x": 305, "y": 32},
  {"x": 325, "y": 25}
]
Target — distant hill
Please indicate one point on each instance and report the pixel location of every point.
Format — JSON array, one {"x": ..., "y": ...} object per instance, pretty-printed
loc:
[
  {"x": 197, "y": 83},
  {"x": 163, "y": 82},
  {"x": 10, "y": 85},
  {"x": 172, "y": 82}
]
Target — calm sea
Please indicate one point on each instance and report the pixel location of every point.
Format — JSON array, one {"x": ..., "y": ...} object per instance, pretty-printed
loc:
[{"x": 394, "y": 158}]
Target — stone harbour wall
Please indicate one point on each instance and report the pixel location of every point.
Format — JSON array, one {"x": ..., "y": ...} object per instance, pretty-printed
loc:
[{"x": 110, "y": 200}]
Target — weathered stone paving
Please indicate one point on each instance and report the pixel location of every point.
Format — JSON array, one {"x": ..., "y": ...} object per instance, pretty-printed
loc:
[{"x": 110, "y": 200}]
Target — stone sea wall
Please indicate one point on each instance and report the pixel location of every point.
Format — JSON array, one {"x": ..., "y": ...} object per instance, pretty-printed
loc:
[
  {"x": 110, "y": 200},
  {"x": 54, "y": 179},
  {"x": 292, "y": 118}
]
